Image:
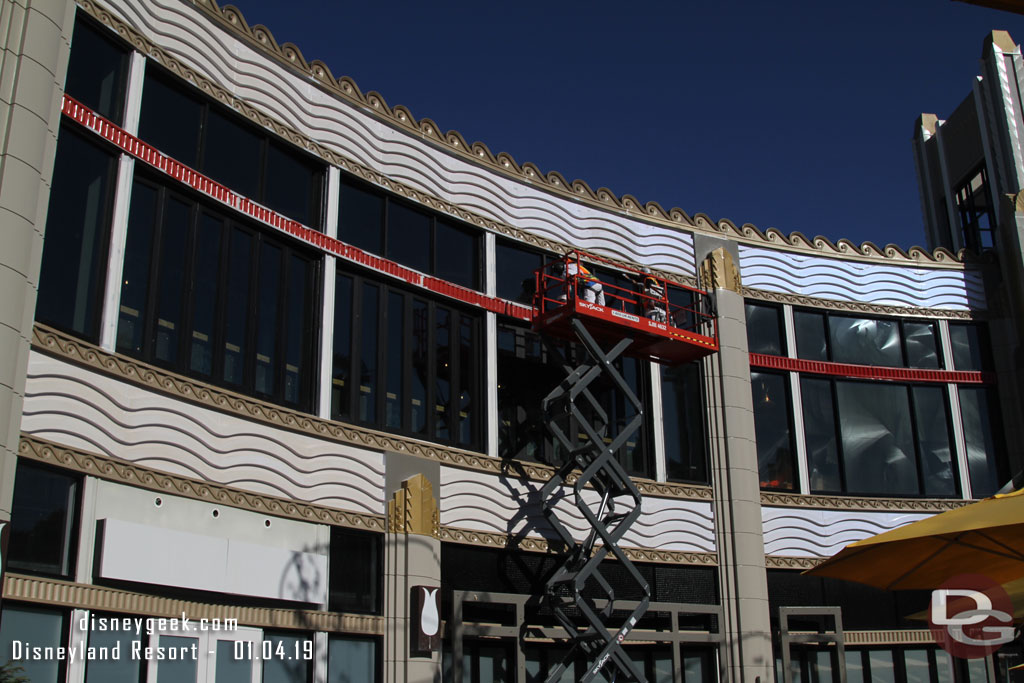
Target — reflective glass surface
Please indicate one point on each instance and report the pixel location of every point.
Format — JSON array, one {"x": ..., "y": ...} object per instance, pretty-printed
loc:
[
  {"x": 865, "y": 341},
  {"x": 40, "y": 628},
  {"x": 43, "y": 520},
  {"x": 820, "y": 435},
  {"x": 764, "y": 329},
  {"x": 97, "y": 70},
  {"x": 773, "y": 429},
  {"x": 352, "y": 659},
  {"x": 877, "y": 438},
  {"x": 811, "y": 342}
]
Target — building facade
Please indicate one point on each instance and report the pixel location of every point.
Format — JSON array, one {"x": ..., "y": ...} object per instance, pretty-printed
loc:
[{"x": 269, "y": 369}]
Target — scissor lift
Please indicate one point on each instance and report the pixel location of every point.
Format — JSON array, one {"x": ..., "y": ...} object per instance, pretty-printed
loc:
[{"x": 643, "y": 322}]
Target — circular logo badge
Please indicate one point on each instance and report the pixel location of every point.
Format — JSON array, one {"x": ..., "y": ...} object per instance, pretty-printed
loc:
[{"x": 971, "y": 616}]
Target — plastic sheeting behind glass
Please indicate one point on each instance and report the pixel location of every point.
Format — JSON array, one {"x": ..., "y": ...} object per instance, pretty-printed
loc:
[
  {"x": 864, "y": 341},
  {"x": 877, "y": 439}
]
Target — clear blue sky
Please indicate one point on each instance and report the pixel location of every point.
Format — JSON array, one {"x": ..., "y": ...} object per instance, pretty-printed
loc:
[{"x": 793, "y": 115}]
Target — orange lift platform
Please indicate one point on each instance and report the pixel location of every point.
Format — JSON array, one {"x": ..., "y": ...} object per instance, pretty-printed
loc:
[{"x": 669, "y": 323}]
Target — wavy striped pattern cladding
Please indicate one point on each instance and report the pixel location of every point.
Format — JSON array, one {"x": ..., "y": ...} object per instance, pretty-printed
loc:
[
  {"x": 190, "y": 36},
  {"x": 81, "y": 409},
  {"x": 796, "y": 532},
  {"x": 505, "y": 505},
  {"x": 856, "y": 281}
]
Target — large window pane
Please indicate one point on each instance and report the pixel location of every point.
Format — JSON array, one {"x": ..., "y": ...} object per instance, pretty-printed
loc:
[
  {"x": 420, "y": 365},
  {"x": 352, "y": 659},
  {"x": 682, "y": 407},
  {"x": 291, "y": 663},
  {"x": 933, "y": 440},
  {"x": 41, "y": 628},
  {"x": 443, "y": 372},
  {"x": 268, "y": 282},
  {"x": 299, "y": 330},
  {"x": 820, "y": 435},
  {"x": 916, "y": 665},
  {"x": 878, "y": 443},
  {"x": 881, "y": 666},
  {"x": 233, "y": 154},
  {"x": 458, "y": 255},
  {"x": 368, "y": 354},
  {"x": 361, "y": 221},
  {"x": 409, "y": 237},
  {"x": 43, "y": 520},
  {"x": 97, "y": 71},
  {"x": 126, "y": 668},
  {"x": 773, "y": 430},
  {"x": 468, "y": 372},
  {"x": 970, "y": 351},
  {"x": 393, "y": 400},
  {"x": 515, "y": 268},
  {"x": 341, "y": 389},
  {"x": 292, "y": 185},
  {"x": 811, "y": 342},
  {"x": 170, "y": 120},
  {"x": 985, "y": 462},
  {"x": 73, "y": 269},
  {"x": 764, "y": 329},
  {"x": 524, "y": 377},
  {"x": 170, "y": 280},
  {"x": 922, "y": 350},
  {"x": 355, "y": 571},
  {"x": 205, "y": 293},
  {"x": 237, "y": 314},
  {"x": 865, "y": 341},
  {"x": 135, "y": 276}
]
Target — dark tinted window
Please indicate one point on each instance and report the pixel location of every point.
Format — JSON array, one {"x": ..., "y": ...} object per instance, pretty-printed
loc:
[
  {"x": 764, "y": 330},
  {"x": 211, "y": 139},
  {"x": 515, "y": 268},
  {"x": 353, "y": 659},
  {"x": 823, "y": 467},
  {"x": 223, "y": 302},
  {"x": 361, "y": 221},
  {"x": 44, "y": 521},
  {"x": 865, "y": 341},
  {"x": 43, "y": 628},
  {"x": 970, "y": 347},
  {"x": 920, "y": 339},
  {"x": 293, "y": 663},
  {"x": 986, "y": 459},
  {"x": 773, "y": 430},
  {"x": 682, "y": 406},
  {"x": 356, "y": 571},
  {"x": 116, "y": 634},
  {"x": 811, "y": 342},
  {"x": 232, "y": 154},
  {"x": 74, "y": 266},
  {"x": 171, "y": 120},
  {"x": 378, "y": 224},
  {"x": 97, "y": 71}
]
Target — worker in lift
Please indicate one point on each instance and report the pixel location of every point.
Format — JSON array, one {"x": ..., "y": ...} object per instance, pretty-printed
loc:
[
  {"x": 653, "y": 296},
  {"x": 590, "y": 288}
]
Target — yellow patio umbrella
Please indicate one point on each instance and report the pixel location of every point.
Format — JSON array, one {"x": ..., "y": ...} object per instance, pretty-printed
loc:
[{"x": 986, "y": 537}]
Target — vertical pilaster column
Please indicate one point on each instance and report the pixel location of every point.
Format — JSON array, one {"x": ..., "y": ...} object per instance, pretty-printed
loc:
[
  {"x": 34, "y": 47},
  {"x": 412, "y": 558},
  {"x": 737, "y": 495}
]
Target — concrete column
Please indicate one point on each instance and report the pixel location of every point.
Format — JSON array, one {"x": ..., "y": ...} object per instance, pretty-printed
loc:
[
  {"x": 412, "y": 557},
  {"x": 739, "y": 537},
  {"x": 35, "y": 39}
]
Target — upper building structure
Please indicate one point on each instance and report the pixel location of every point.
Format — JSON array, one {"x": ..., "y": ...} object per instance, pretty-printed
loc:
[{"x": 268, "y": 366}]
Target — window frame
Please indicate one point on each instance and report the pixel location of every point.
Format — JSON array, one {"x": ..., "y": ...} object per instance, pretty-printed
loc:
[
  {"x": 230, "y": 223},
  {"x": 71, "y": 527}
]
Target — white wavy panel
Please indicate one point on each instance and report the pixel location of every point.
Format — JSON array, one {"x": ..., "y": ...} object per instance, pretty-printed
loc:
[
  {"x": 796, "y": 532},
  {"x": 79, "y": 408},
  {"x": 507, "y": 505},
  {"x": 187, "y": 34},
  {"x": 829, "y": 278}
]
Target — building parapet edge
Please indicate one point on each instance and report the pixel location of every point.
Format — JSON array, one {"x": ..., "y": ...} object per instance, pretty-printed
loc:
[{"x": 373, "y": 104}]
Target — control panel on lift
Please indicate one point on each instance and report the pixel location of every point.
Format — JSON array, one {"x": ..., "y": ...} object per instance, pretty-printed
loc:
[{"x": 669, "y": 323}]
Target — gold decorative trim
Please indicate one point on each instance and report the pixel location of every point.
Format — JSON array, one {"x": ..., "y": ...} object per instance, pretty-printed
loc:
[
  {"x": 124, "y": 472},
  {"x": 540, "y": 545},
  {"x": 719, "y": 271},
  {"x": 83, "y": 353},
  {"x": 860, "y": 307},
  {"x": 87, "y": 596},
  {"x": 856, "y": 503},
  {"x": 414, "y": 510},
  {"x": 373, "y": 104},
  {"x": 921, "y": 636},
  {"x": 781, "y": 562}
]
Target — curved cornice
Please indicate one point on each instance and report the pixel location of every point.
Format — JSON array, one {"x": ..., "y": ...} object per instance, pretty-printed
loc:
[
  {"x": 51, "y": 341},
  {"x": 373, "y": 104},
  {"x": 864, "y": 504},
  {"x": 861, "y": 307}
]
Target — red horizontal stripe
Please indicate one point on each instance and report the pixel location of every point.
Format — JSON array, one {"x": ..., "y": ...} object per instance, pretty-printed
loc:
[
  {"x": 149, "y": 155},
  {"x": 762, "y": 360}
]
